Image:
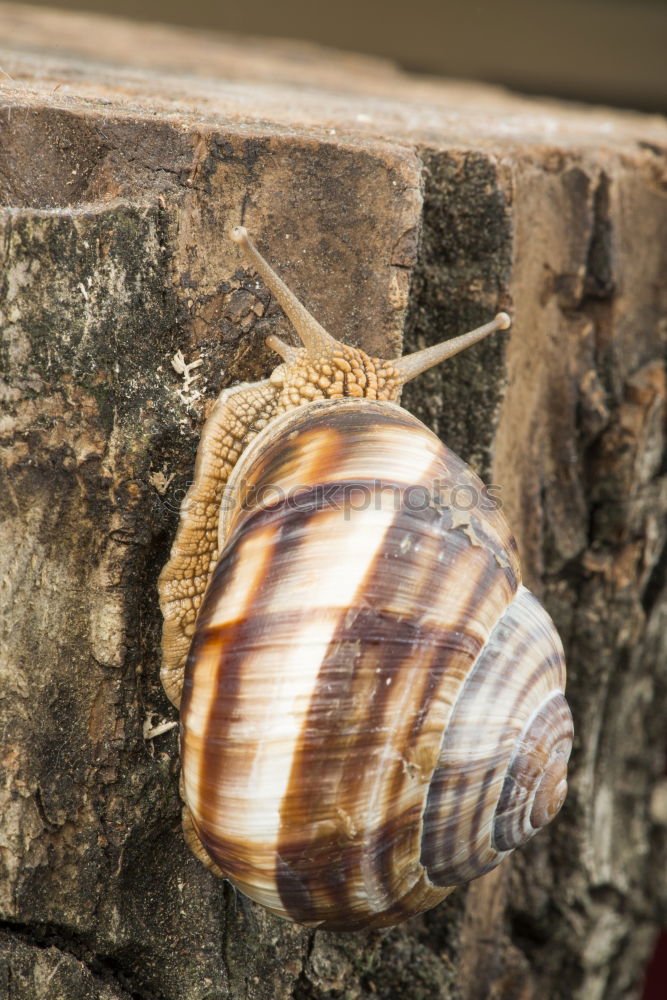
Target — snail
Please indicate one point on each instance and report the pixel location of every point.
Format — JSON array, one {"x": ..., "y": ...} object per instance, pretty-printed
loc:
[{"x": 371, "y": 702}]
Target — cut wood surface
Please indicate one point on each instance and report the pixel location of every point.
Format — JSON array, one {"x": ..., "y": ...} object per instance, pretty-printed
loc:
[{"x": 401, "y": 210}]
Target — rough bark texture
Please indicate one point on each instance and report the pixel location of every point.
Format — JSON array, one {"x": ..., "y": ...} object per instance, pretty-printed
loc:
[{"x": 390, "y": 205}]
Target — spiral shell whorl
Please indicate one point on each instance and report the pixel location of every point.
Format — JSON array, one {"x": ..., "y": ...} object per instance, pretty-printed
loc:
[
  {"x": 507, "y": 740},
  {"x": 536, "y": 782}
]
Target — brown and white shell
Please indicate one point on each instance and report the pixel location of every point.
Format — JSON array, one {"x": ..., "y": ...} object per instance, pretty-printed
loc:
[{"x": 372, "y": 711}]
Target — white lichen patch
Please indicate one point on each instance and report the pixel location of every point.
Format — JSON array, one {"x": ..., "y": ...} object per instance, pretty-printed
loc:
[
  {"x": 152, "y": 729},
  {"x": 20, "y": 275},
  {"x": 186, "y": 393},
  {"x": 160, "y": 480}
]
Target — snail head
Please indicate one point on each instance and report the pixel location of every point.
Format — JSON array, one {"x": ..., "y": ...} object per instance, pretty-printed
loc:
[{"x": 324, "y": 366}]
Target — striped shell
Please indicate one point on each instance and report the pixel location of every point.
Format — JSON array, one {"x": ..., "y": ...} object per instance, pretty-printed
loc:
[{"x": 373, "y": 705}]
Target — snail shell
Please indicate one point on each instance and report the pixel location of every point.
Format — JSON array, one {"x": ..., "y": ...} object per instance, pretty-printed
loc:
[{"x": 372, "y": 711}]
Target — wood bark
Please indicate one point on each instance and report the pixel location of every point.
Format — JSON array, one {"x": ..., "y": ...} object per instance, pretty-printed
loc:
[{"x": 398, "y": 209}]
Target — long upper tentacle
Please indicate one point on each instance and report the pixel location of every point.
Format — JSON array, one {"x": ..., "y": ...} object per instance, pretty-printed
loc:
[
  {"x": 411, "y": 365},
  {"x": 314, "y": 337}
]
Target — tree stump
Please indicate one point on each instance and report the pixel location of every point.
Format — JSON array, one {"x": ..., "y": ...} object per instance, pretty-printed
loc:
[{"x": 397, "y": 209}]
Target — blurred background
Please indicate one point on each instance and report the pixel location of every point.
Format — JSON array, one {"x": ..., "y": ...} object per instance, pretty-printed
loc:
[{"x": 607, "y": 51}]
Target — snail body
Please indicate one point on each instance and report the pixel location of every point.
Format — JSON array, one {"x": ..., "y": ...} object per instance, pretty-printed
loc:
[{"x": 372, "y": 708}]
